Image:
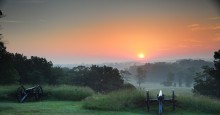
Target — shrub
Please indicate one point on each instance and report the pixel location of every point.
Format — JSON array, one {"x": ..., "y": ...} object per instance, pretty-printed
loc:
[
  {"x": 128, "y": 86},
  {"x": 72, "y": 93},
  {"x": 8, "y": 92},
  {"x": 199, "y": 103},
  {"x": 117, "y": 100},
  {"x": 63, "y": 92}
]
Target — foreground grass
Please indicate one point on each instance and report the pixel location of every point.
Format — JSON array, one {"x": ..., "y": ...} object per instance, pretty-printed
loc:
[
  {"x": 53, "y": 108},
  {"x": 72, "y": 108},
  {"x": 123, "y": 102},
  {"x": 135, "y": 100}
]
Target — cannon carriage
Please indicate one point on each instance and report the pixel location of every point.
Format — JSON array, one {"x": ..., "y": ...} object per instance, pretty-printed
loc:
[
  {"x": 160, "y": 100},
  {"x": 32, "y": 92}
]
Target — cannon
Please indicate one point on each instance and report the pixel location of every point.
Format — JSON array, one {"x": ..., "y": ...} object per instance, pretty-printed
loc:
[
  {"x": 160, "y": 100},
  {"x": 22, "y": 93}
]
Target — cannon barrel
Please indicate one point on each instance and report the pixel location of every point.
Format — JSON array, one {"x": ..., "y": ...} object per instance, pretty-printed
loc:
[
  {"x": 35, "y": 91},
  {"x": 31, "y": 88}
]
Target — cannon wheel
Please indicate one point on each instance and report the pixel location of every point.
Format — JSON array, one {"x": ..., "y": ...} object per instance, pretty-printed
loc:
[
  {"x": 20, "y": 93},
  {"x": 173, "y": 100},
  {"x": 38, "y": 93}
]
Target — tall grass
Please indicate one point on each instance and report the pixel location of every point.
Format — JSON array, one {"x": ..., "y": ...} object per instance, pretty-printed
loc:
[
  {"x": 186, "y": 100},
  {"x": 117, "y": 100},
  {"x": 8, "y": 92},
  {"x": 72, "y": 93},
  {"x": 134, "y": 99},
  {"x": 199, "y": 103},
  {"x": 62, "y": 92}
]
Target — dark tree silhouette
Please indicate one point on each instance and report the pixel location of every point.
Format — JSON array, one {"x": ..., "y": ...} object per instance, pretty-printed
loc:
[
  {"x": 207, "y": 82},
  {"x": 8, "y": 74},
  {"x": 125, "y": 74},
  {"x": 101, "y": 79}
]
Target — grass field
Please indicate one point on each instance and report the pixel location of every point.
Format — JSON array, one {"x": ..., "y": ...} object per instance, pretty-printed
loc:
[
  {"x": 72, "y": 108},
  {"x": 125, "y": 102}
]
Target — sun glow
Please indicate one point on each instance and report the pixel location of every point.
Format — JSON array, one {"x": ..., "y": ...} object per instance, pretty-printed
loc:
[{"x": 141, "y": 55}]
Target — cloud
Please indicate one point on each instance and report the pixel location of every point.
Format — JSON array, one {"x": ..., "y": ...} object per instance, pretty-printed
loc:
[
  {"x": 164, "y": 49},
  {"x": 22, "y": 22},
  {"x": 192, "y": 41},
  {"x": 198, "y": 27},
  {"x": 217, "y": 34},
  {"x": 183, "y": 46},
  {"x": 193, "y": 25},
  {"x": 216, "y": 28},
  {"x": 11, "y": 21},
  {"x": 189, "y": 45},
  {"x": 30, "y": 1},
  {"x": 214, "y": 18},
  {"x": 216, "y": 39}
]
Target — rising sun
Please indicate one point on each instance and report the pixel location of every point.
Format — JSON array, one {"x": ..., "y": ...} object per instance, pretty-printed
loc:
[{"x": 141, "y": 55}]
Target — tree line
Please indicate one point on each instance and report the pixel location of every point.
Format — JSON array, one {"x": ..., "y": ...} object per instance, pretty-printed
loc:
[
  {"x": 179, "y": 73},
  {"x": 203, "y": 76},
  {"x": 18, "y": 69}
]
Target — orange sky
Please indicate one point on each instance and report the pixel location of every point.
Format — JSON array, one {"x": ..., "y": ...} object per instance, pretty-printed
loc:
[
  {"x": 168, "y": 35},
  {"x": 126, "y": 39}
]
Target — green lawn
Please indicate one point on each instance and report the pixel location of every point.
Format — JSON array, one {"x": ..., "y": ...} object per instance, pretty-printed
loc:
[
  {"x": 71, "y": 108},
  {"x": 123, "y": 102}
]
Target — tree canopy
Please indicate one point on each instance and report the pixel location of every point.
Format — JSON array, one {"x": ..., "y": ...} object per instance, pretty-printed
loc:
[
  {"x": 101, "y": 79},
  {"x": 207, "y": 82}
]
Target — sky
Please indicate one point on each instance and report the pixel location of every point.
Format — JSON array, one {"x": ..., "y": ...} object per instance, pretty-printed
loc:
[{"x": 98, "y": 31}]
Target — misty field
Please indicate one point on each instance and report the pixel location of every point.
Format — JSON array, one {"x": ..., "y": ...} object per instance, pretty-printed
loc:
[{"x": 122, "y": 102}]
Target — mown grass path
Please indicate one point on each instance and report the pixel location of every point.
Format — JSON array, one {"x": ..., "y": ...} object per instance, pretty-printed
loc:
[{"x": 71, "y": 108}]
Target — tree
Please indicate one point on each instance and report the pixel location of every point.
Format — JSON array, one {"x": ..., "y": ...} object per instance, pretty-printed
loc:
[
  {"x": 41, "y": 66},
  {"x": 35, "y": 77},
  {"x": 125, "y": 74},
  {"x": 141, "y": 74},
  {"x": 104, "y": 79},
  {"x": 20, "y": 63},
  {"x": 2, "y": 46},
  {"x": 207, "y": 82},
  {"x": 101, "y": 79},
  {"x": 57, "y": 75},
  {"x": 169, "y": 80},
  {"x": 8, "y": 74},
  {"x": 17, "y": 68},
  {"x": 79, "y": 75},
  {"x": 190, "y": 75},
  {"x": 180, "y": 77}
]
